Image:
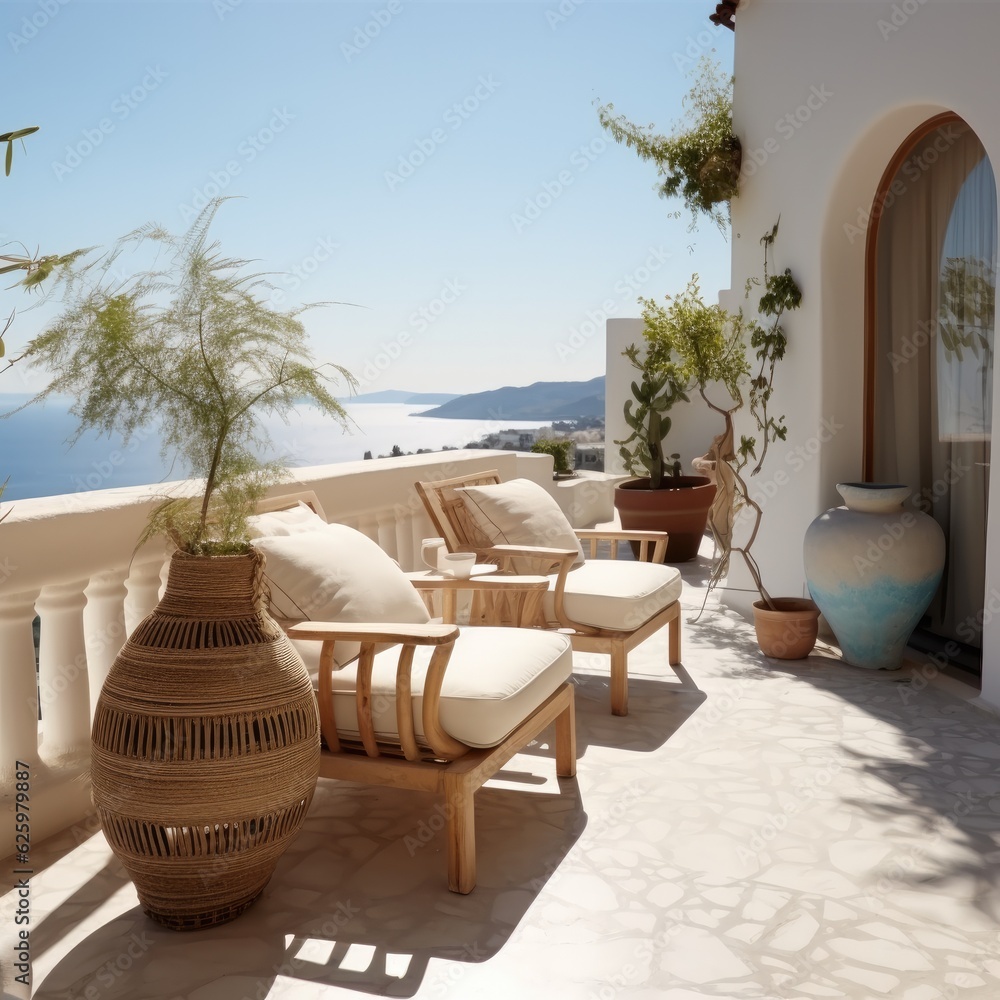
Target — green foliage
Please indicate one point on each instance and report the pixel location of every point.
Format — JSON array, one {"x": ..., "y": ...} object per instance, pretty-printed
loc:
[
  {"x": 768, "y": 342},
  {"x": 559, "y": 450},
  {"x": 196, "y": 349},
  {"x": 37, "y": 268},
  {"x": 700, "y": 162},
  {"x": 10, "y": 138},
  {"x": 695, "y": 343},
  {"x": 662, "y": 385},
  {"x": 701, "y": 346},
  {"x": 967, "y": 309}
]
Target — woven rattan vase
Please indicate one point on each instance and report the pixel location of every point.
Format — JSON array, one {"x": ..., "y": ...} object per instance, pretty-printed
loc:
[{"x": 205, "y": 745}]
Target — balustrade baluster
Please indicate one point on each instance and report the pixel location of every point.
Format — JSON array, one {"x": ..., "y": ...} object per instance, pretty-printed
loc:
[
  {"x": 19, "y": 701},
  {"x": 104, "y": 627},
  {"x": 143, "y": 587},
  {"x": 63, "y": 685}
]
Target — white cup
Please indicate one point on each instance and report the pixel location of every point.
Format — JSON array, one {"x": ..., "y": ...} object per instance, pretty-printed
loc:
[
  {"x": 458, "y": 564},
  {"x": 431, "y": 550}
]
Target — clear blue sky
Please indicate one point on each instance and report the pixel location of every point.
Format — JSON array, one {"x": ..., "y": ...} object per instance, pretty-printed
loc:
[{"x": 452, "y": 165}]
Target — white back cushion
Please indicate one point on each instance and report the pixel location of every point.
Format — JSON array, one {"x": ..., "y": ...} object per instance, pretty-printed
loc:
[
  {"x": 290, "y": 521},
  {"x": 334, "y": 573},
  {"x": 520, "y": 512}
]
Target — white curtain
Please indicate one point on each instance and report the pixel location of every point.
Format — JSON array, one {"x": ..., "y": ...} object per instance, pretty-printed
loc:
[{"x": 936, "y": 266}]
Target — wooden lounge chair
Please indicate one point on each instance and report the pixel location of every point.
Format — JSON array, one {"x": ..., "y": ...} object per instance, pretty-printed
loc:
[
  {"x": 606, "y": 606},
  {"x": 411, "y": 703}
]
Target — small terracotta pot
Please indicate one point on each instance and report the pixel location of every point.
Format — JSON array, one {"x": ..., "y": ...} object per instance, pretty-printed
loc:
[{"x": 789, "y": 633}]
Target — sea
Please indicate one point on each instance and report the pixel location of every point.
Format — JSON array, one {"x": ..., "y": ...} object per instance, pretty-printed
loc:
[{"x": 39, "y": 461}]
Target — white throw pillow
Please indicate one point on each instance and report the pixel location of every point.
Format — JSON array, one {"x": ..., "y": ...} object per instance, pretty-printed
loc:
[
  {"x": 291, "y": 521},
  {"x": 337, "y": 574},
  {"x": 520, "y": 512}
]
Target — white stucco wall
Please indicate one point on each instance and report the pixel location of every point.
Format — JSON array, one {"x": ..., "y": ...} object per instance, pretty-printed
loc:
[{"x": 826, "y": 92}]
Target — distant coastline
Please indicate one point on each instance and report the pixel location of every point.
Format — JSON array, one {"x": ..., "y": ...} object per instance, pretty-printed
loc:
[{"x": 541, "y": 401}]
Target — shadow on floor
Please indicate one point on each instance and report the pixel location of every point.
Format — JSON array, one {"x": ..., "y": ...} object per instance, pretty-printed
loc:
[
  {"x": 930, "y": 770},
  {"x": 359, "y": 901}
]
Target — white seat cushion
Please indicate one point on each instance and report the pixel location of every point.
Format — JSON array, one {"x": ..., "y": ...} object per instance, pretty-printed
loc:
[
  {"x": 615, "y": 594},
  {"x": 520, "y": 512},
  {"x": 337, "y": 574},
  {"x": 495, "y": 679}
]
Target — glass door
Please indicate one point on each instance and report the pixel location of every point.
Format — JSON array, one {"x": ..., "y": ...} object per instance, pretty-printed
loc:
[{"x": 934, "y": 287}]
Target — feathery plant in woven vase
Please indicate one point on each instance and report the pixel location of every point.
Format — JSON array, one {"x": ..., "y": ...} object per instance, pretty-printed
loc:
[{"x": 205, "y": 749}]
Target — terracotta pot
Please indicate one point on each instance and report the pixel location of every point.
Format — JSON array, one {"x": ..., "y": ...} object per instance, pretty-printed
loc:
[
  {"x": 681, "y": 511},
  {"x": 789, "y": 632},
  {"x": 205, "y": 747}
]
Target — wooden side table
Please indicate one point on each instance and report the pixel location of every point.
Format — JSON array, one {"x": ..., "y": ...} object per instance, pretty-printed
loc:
[{"x": 497, "y": 600}]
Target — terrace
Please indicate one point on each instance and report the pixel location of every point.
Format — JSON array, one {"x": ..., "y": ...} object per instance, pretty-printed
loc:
[{"x": 752, "y": 828}]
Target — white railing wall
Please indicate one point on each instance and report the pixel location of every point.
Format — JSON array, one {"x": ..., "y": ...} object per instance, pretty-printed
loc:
[{"x": 70, "y": 560}]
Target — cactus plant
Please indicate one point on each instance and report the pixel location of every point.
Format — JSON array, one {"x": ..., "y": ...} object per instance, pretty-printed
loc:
[{"x": 642, "y": 451}]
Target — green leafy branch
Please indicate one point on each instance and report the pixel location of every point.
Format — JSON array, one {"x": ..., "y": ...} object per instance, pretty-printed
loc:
[
  {"x": 197, "y": 349},
  {"x": 700, "y": 161}
]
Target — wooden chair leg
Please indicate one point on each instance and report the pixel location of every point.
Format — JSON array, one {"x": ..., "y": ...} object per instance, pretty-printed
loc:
[
  {"x": 566, "y": 739},
  {"x": 674, "y": 631},
  {"x": 619, "y": 679},
  {"x": 461, "y": 812}
]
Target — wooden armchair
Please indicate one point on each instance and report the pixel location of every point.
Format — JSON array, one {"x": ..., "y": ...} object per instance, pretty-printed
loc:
[
  {"x": 606, "y": 606},
  {"x": 413, "y": 704}
]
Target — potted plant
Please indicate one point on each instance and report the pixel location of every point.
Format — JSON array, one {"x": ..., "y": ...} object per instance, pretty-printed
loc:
[
  {"x": 660, "y": 498},
  {"x": 701, "y": 160},
  {"x": 205, "y": 739},
  {"x": 559, "y": 450},
  {"x": 740, "y": 354}
]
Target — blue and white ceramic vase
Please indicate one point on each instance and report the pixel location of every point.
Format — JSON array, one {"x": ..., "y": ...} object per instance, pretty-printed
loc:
[{"x": 873, "y": 568}]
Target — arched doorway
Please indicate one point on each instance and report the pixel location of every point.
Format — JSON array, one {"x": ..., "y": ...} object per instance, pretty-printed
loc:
[{"x": 930, "y": 291}]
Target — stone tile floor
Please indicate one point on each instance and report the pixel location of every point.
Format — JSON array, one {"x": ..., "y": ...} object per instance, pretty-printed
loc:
[{"x": 753, "y": 829}]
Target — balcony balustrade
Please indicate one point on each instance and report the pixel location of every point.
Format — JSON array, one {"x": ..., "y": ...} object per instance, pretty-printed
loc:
[{"x": 72, "y": 562}]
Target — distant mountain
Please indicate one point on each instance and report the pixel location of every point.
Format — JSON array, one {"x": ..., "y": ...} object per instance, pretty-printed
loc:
[
  {"x": 539, "y": 401},
  {"x": 402, "y": 396}
]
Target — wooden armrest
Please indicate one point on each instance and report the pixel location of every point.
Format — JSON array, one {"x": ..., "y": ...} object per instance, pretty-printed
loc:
[
  {"x": 370, "y": 635},
  {"x": 625, "y": 536},
  {"x": 532, "y": 551},
  {"x": 658, "y": 539},
  {"x": 419, "y": 635},
  {"x": 511, "y": 583}
]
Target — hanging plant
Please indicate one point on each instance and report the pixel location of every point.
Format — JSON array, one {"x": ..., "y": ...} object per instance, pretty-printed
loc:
[{"x": 701, "y": 161}]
